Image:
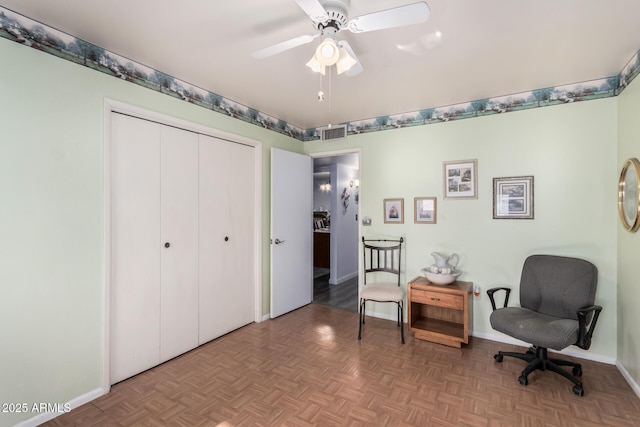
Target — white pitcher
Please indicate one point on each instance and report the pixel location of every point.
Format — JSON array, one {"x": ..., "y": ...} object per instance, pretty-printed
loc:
[{"x": 445, "y": 263}]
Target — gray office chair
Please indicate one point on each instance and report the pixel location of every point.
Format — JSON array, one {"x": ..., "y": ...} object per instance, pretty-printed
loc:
[
  {"x": 556, "y": 311},
  {"x": 382, "y": 257}
]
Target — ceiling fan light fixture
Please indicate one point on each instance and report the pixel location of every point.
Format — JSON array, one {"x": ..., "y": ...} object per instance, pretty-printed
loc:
[
  {"x": 332, "y": 16},
  {"x": 316, "y": 66},
  {"x": 327, "y": 53},
  {"x": 345, "y": 62}
]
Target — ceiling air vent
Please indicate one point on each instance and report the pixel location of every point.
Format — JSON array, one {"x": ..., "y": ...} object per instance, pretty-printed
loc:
[{"x": 333, "y": 132}]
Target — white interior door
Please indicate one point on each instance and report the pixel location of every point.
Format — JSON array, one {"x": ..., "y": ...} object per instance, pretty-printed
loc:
[
  {"x": 135, "y": 249},
  {"x": 291, "y": 231},
  {"x": 226, "y": 237},
  {"x": 179, "y": 240}
]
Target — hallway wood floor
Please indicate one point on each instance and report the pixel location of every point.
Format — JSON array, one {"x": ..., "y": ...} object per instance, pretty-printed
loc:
[
  {"x": 344, "y": 295},
  {"x": 308, "y": 368}
]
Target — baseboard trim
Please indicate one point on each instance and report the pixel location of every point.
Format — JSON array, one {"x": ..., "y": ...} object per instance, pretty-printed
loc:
[
  {"x": 70, "y": 405},
  {"x": 384, "y": 316},
  {"x": 634, "y": 385},
  {"x": 574, "y": 352},
  {"x": 343, "y": 278}
]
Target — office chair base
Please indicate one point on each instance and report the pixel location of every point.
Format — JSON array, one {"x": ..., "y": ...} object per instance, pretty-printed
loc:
[{"x": 538, "y": 359}]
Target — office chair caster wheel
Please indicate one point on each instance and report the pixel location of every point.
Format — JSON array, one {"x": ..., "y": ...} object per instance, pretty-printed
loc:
[
  {"x": 577, "y": 371},
  {"x": 523, "y": 380},
  {"x": 497, "y": 357},
  {"x": 578, "y": 390}
]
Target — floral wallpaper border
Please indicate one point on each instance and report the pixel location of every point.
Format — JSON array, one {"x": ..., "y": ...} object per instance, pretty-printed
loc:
[{"x": 28, "y": 32}]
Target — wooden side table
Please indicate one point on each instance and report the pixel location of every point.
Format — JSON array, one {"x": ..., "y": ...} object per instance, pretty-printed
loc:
[{"x": 440, "y": 313}]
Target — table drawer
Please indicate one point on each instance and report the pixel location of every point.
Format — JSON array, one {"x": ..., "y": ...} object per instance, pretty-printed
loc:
[{"x": 437, "y": 299}]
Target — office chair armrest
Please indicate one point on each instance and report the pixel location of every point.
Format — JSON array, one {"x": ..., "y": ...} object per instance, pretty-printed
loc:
[
  {"x": 491, "y": 291},
  {"x": 585, "y": 319}
]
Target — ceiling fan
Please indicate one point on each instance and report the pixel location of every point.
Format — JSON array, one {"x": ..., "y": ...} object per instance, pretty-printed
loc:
[{"x": 331, "y": 17}]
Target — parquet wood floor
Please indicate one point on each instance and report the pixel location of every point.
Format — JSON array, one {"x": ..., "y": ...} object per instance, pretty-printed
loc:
[{"x": 308, "y": 368}]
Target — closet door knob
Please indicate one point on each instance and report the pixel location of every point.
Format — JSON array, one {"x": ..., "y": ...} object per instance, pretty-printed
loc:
[
  {"x": 226, "y": 238},
  {"x": 166, "y": 245}
]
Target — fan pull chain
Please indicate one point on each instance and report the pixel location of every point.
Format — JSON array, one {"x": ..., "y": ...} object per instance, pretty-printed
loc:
[
  {"x": 320, "y": 92},
  {"x": 330, "y": 95}
]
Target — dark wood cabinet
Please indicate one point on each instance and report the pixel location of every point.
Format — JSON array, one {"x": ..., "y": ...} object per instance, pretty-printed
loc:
[{"x": 321, "y": 249}]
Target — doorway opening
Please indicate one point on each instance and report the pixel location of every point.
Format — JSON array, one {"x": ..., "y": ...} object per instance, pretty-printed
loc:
[{"x": 336, "y": 209}]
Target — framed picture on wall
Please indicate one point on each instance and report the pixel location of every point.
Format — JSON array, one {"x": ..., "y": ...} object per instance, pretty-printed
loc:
[
  {"x": 513, "y": 197},
  {"x": 425, "y": 210},
  {"x": 460, "y": 179},
  {"x": 394, "y": 211}
]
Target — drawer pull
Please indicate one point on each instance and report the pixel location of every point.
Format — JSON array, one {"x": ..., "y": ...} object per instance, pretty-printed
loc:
[{"x": 435, "y": 299}]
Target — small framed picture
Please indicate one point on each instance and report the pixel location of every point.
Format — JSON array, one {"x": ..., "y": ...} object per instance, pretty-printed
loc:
[
  {"x": 460, "y": 179},
  {"x": 513, "y": 197},
  {"x": 425, "y": 210},
  {"x": 394, "y": 211}
]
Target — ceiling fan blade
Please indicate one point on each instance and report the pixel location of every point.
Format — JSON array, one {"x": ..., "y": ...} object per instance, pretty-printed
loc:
[
  {"x": 281, "y": 47},
  {"x": 314, "y": 9},
  {"x": 355, "y": 68},
  {"x": 415, "y": 13}
]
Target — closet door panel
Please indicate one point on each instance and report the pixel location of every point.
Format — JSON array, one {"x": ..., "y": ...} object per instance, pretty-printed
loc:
[
  {"x": 179, "y": 242},
  {"x": 135, "y": 253},
  {"x": 241, "y": 194},
  {"x": 226, "y": 237}
]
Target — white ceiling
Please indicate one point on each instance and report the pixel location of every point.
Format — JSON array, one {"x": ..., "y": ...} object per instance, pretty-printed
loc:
[
  {"x": 488, "y": 48},
  {"x": 322, "y": 165}
]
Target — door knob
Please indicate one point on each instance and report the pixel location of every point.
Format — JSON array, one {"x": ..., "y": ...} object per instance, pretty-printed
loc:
[
  {"x": 226, "y": 238},
  {"x": 167, "y": 244},
  {"x": 278, "y": 241}
]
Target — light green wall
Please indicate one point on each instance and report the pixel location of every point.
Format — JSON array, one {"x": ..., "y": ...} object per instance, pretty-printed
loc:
[
  {"x": 52, "y": 219},
  {"x": 52, "y": 211},
  {"x": 570, "y": 151},
  {"x": 628, "y": 243}
]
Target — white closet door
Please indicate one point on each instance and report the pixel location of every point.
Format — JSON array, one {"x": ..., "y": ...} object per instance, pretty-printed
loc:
[
  {"x": 135, "y": 251},
  {"x": 227, "y": 234},
  {"x": 179, "y": 236}
]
